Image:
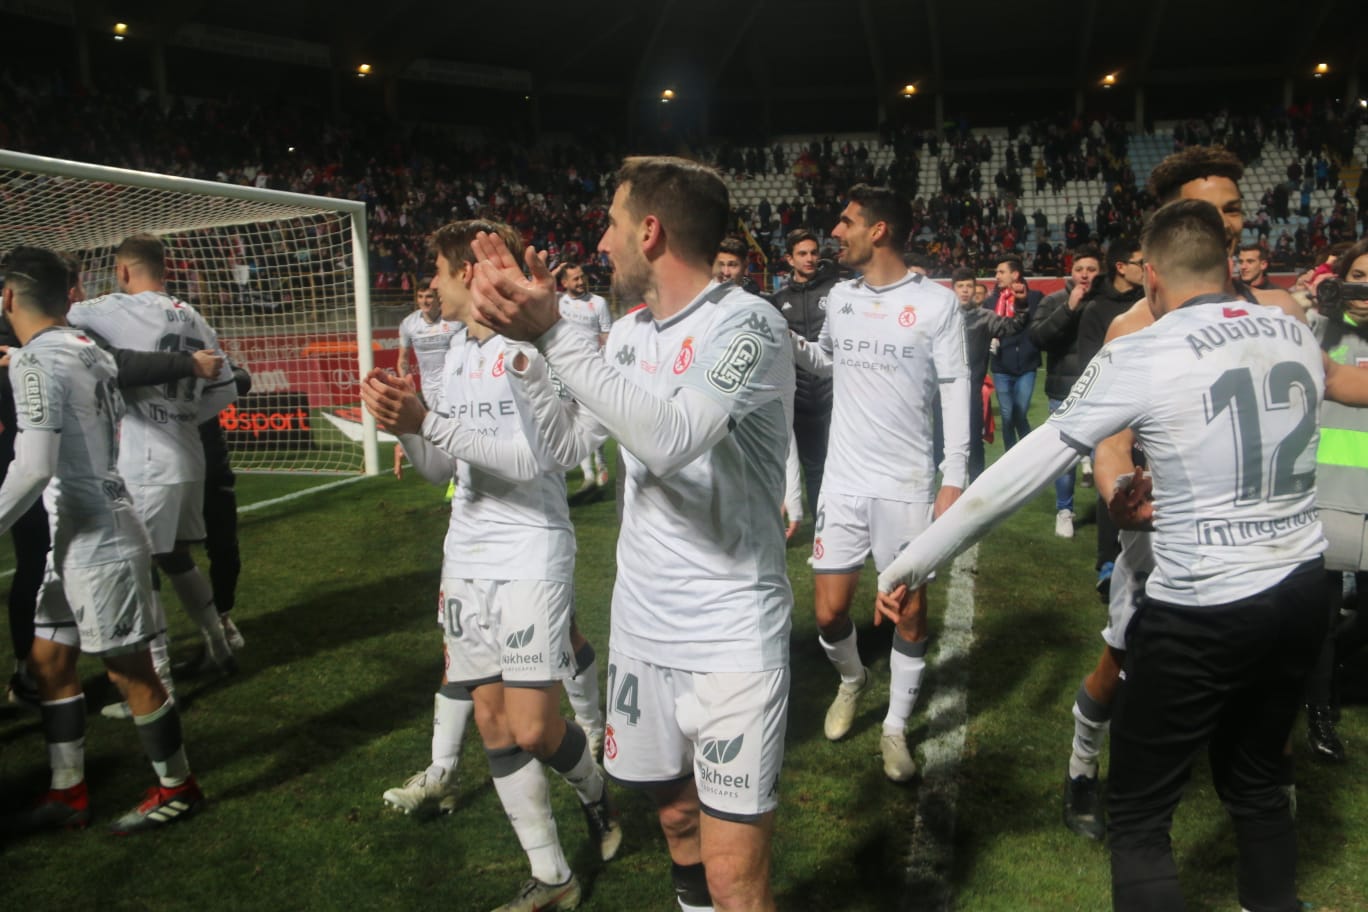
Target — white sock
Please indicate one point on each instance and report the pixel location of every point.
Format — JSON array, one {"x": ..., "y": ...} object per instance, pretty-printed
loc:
[
  {"x": 160, "y": 733},
  {"x": 583, "y": 690},
  {"x": 907, "y": 664},
  {"x": 1092, "y": 720},
  {"x": 845, "y": 655},
  {"x": 526, "y": 800},
  {"x": 198, "y": 598},
  {"x": 449, "y": 718},
  {"x": 688, "y": 908}
]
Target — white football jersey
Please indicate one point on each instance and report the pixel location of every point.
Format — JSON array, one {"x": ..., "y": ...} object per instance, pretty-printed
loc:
[
  {"x": 890, "y": 348},
  {"x": 161, "y": 443},
  {"x": 588, "y": 313},
  {"x": 429, "y": 343},
  {"x": 65, "y": 384},
  {"x": 702, "y": 582},
  {"x": 501, "y": 529},
  {"x": 1223, "y": 395}
]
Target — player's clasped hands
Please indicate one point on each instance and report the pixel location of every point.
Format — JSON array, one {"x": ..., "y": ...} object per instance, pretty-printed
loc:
[
  {"x": 393, "y": 401},
  {"x": 514, "y": 304}
]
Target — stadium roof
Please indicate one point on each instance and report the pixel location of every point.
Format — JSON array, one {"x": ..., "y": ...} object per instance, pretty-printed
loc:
[{"x": 790, "y": 54}]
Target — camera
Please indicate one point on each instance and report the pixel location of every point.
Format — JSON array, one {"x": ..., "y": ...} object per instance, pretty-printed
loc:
[{"x": 1332, "y": 294}]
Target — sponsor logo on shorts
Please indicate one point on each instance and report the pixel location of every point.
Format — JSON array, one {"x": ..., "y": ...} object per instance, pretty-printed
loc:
[
  {"x": 722, "y": 751},
  {"x": 609, "y": 743},
  {"x": 123, "y": 629},
  {"x": 817, "y": 550},
  {"x": 520, "y": 638}
]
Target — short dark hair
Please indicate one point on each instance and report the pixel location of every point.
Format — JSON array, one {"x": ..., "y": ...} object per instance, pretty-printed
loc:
[
  {"x": 39, "y": 279},
  {"x": 796, "y": 237},
  {"x": 883, "y": 204},
  {"x": 1254, "y": 248},
  {"x": 1193, "y": 163},
  {"x": 453, "y": 240},
  {"x": 147, "y": 250},
  {"x": 1088, "y": 252},
  {"x": 1346, "y": 259},
  {"x": 733, "y": 245},
  {"x": 1187, "y": 238},
  {"x": 916, "y": 259},
  {"x": 688, "y": 198},
  {"x": 1013, "y": 264},
  {"x": 1120, "y": 251},
  {"x": 963, "y": 274}
]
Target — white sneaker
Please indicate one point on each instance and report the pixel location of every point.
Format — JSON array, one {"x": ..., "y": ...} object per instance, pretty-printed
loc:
[
  {"x": 1086, "y": 472},
  {"x": 535, "y": 896},
  {"x": 897, "y": 759},
  {"x": 841, "y": 714},
  {"x": 433, "y": 791},
  {"x": 231, "y": 633},
  {"x": 1064, "y": 524}
]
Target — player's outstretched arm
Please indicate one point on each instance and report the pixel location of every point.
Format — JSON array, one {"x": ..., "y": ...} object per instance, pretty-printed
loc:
[
  {"x": 35, "y": 462},
  {"x": 1039, "y": 458}
]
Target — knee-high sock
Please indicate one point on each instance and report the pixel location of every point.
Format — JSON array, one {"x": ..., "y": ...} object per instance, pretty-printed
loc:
[
  {"x": 583, "y": 689},
  {"x": 521, "y": 784},
  {"x": 845, "y": 655},
  {"x": 198, "y": 599},
  {"x": 64, "y": 731},
  {"x": 575, "y": 763},
  {"x": 160, "y": 733},
  {"x": 907, "y": 664},
  {"x": 1091, "y": 722},
  {"x": 451, "y": 710}
]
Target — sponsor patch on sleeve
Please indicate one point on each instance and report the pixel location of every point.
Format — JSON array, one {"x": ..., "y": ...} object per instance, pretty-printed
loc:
[
  {"x": 733, "y": 370},
  {"x": 33, "y": 395}
]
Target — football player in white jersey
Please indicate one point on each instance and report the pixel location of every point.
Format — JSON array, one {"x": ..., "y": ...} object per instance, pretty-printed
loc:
[
  {"x": 424, "y": 336},
  {"x": 696, "y": 388},
  {"x": 588, "y": 313},
  {"x": 1223, "y": 395},
  {"x": 96, "y": 594},
  {"x": 891, "y": 341},
  {"x": 160, "y": 454},
  {"x": 507, "y": 583}
]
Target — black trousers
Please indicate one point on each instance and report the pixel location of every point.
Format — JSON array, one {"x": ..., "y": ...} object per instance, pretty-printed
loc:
[
  {"x": 221, "y": 538},
  {"x": 31, "y": 544},
  {"x": 810, "y": 433},
  {"x": 1230, "y": 677}
]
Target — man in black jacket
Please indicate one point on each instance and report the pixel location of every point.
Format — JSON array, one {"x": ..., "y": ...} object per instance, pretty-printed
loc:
[
  {"x": 1017, "y": 359},
  {"x": 1054, "y": 329},
  {"x": 803, "y": 303}
]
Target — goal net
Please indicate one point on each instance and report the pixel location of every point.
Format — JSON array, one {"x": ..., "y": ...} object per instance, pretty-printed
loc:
[{"x": 282, "y": 278}]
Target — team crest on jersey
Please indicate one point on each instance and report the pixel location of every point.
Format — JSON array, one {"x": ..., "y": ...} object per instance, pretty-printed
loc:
[
  {"x": 821, "y": 303},
  {"x": 908, "y": 317},
  {"x": 498, "y": 369},
  {"x": 734, "y": 369},
  {"x": 685, "y": 357}
]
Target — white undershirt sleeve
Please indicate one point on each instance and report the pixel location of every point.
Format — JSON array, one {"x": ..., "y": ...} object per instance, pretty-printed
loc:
[
  {"x": 35, "y": 462},
  {"x": 565, "y": 431},
  {"x": 511, "y": 459},
  {"x": 793, "y": 483},
  {"x": 665, "y": 435},
  {"x": 954, "y": 400},
  {"x": 1038, "y": 459},
  {"x": 812, "y": 356}
]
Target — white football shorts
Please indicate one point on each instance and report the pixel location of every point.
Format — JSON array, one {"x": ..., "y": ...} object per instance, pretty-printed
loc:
[
  {"x": 108, "y": 606},
  {"x": 850, "y": 528},
  {"x": 517, "y": 630},
  {"x": 1133, "y": 566},
  {"x": 726, "y": 729},
  {"x": 171, "y": 512}
]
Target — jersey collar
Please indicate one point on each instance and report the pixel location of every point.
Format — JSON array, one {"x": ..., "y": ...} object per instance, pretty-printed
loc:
[
  {"x": 714, "y": 293},
  {"x": 1210, "y": 298}
]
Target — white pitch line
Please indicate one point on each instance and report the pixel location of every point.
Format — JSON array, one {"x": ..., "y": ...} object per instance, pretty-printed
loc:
[
  {"x": 930, "y": 856},
  {"x": 285, "y": 498}
]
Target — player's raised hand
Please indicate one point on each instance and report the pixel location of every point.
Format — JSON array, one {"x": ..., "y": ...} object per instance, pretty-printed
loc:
[
  {"x": 208, "y": 363},
  {"x": 1132, "y": 503},
  {"x": 517, "y": 305}
]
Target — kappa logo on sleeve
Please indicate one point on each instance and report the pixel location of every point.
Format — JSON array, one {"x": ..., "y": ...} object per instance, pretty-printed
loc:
[
  {"x": 734, "y": 369},
  {"x": 35, "y": 397}
]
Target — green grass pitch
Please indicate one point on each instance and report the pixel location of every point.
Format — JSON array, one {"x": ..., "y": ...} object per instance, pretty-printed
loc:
[{"x": 334, "y": 700}]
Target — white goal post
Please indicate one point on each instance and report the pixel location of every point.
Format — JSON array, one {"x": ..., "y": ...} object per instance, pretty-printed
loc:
[{"x": 282, "y": 277}]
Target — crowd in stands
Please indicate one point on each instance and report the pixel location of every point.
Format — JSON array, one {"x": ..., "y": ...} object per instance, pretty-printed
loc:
[{"x": 414, "y": 178}]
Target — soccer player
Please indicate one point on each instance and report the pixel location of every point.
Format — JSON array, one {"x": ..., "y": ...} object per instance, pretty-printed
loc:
[
  {"x": 161, "y": 456},
  {"x": 96, "y": 594},
  {"x": 507, "y": 583},
  {"x": 695, "y": 389},
  {"x": 1223, "y": 397},
  {"x": 892, "y": 340},
  {"x": 588, "y": 313},
  {"x": 424, "y": 337}
]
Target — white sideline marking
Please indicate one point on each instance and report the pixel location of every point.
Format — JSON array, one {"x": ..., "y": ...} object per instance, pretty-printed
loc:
[
  {"x": 262, "y": 504},
  {"x": 285, "y": 498},
  {"x": 931, "y": 853}
]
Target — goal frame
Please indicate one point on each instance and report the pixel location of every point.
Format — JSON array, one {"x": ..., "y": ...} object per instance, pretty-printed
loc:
[{"x": 354, "y": 210}]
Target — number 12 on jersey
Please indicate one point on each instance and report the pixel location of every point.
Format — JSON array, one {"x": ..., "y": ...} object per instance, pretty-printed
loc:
[{"x": 1234, "y": 392}]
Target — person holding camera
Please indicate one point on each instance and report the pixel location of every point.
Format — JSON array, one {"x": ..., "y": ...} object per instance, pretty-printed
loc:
[{"x": 1340, "y": 323}]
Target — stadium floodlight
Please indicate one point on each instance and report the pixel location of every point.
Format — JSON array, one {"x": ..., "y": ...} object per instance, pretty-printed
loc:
[
  {"x": 909, "y": 90},
  {"x": 667, "y": 96},
  {"x": 1109, "y": 80},
  {"x": 283, "y": 278},
  {"x": 120, "y": 30},
  {"x": 1321, "y": 70}
]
